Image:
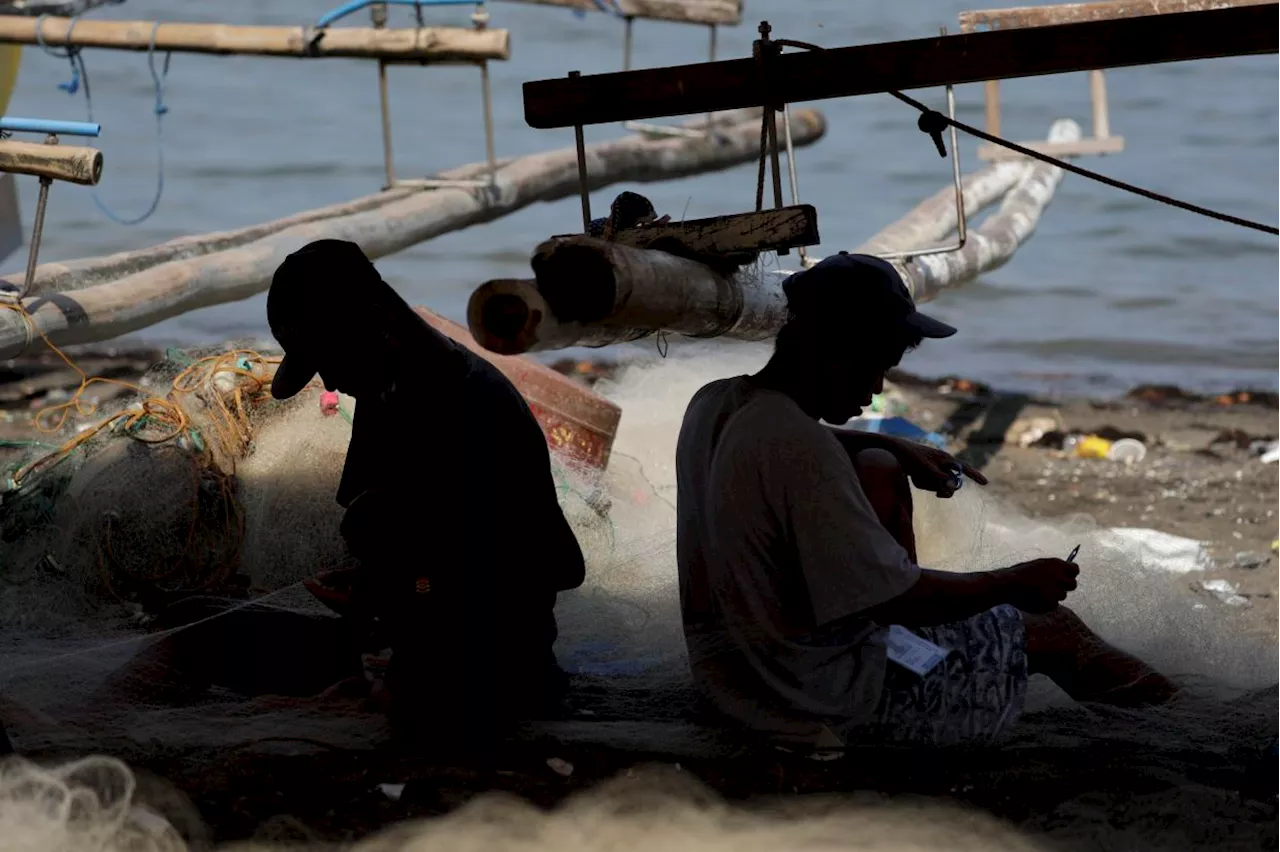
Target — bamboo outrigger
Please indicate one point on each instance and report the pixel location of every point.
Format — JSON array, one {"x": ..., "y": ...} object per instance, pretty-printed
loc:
[
  {"x": 590, "y": 292},
  {"x": 133, "y": 290}
]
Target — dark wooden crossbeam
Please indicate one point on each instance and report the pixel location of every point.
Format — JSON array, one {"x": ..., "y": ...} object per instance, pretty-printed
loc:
[
  {"x": 867, "y": 69},
  {"x": 775, "y": 229}
]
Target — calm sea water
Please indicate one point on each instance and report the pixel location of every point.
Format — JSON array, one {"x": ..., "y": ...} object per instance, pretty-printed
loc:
[{"x": 1111, "y": 291}]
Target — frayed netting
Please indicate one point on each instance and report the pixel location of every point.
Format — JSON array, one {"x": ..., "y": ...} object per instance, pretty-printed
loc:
[
  {"x": 93, "y": 805},
  {"x": 85, "y": 670}
]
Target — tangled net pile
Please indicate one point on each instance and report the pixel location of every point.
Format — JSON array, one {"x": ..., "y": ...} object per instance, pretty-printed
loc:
[
  {"x": 142, "y": 504},
  {"x": 70, "y": 677}
]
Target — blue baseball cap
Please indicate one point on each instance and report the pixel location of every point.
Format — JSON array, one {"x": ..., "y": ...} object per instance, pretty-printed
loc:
[{"x": 858, "y": 285}]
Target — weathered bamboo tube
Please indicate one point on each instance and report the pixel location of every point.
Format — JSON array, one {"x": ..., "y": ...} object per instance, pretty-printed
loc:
[
  {"x": 592, "y": 293},
  {"x": 70, "y": 163},
  {"x": 680, "y": 11},
  {"x": 589, "y": 292},
  {"x": 389, "y": 223},
  {"x": 1050, "y": 15},
  {"x": 992, "y": 245},
  {"x": 933, "y": 219},
  {"x": 434, "y": 44}
]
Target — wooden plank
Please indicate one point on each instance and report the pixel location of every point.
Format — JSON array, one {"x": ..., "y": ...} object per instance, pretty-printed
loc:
[
  {"x": 1019, "y": 17},
  {"x": 727, "y": 12},
  {"x": 767, "y": 230},
  {"x": 70, "y": 163},
  {"x": 434, "y": 44},
  {"x": 866, "y": 69},
  {"x": 1080, "y": 148}
]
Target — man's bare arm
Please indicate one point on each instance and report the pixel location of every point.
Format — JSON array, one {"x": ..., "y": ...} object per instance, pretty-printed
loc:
[{"x": 940, "y": 597}]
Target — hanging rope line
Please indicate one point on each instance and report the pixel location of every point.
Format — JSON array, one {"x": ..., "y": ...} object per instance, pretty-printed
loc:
[
  {"x": 932, "y": 121},
  {"x": 80, "y": 77}
]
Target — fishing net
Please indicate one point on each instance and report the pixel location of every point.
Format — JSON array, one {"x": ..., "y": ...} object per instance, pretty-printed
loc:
[{"x": 243, "y": 517}]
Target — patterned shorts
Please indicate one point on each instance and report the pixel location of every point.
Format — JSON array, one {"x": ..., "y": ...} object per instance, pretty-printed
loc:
[{"x": 971, "y": 697}]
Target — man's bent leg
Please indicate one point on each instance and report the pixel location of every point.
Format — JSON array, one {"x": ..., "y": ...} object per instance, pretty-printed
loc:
[
  {"x": 887, "y": 487},
  {"x": 1087, "y": 668}
]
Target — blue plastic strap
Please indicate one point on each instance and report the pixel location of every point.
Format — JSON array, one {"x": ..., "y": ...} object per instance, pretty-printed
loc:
[
  {"x": 13, "y": 124},
  {"x": 353, "y": 6}
]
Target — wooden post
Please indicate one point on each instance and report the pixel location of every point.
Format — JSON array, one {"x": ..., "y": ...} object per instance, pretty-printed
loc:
[
  {"x": 938, "y": 61},
  {"x": 991, "y": 90},
  {"x": 1098, "y": 102},
  {"x": 137, "y": 289},
  {"x": 434, "y": 44},
  {"x": 69, "y": 163},
  {"x": 589, "y": 292}
]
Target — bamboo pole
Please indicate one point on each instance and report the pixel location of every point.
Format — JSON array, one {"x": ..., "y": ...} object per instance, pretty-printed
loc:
[
  {"x": 107, "y": 310},
  {"x": 992, "y": 245},
  {"x": 591, "y": 293},
  {"x": 679, "y": 11},
  {"x": 1017, "y": 17},
  {"x": 70, "y": 163},
  {"x": 933, "y": 219},
  {"x": 433, "y": 44}
]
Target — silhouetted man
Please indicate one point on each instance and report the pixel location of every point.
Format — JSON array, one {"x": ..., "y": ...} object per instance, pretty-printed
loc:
[
  {"x": 797, "y": 558},
  {"x": 451, "y": 505}
]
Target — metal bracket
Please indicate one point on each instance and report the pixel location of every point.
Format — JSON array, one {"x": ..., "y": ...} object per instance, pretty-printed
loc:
[
  {"x": 50, "y": 129},
  {"x": 664, "y": 129},
  {"x": 480, "y": 19}
]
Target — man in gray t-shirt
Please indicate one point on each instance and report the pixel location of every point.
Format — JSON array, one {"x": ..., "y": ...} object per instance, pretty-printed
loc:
[{"x": 797, "y": 556}]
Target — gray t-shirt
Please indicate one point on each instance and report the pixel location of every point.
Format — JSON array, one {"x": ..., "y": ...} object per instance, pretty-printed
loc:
[{"x": 779, "y": 550}]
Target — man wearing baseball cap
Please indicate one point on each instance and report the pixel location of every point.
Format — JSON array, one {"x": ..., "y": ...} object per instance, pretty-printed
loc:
[
  {"x": 805, "y": 611},
  {"x": 452, "y": 511}
]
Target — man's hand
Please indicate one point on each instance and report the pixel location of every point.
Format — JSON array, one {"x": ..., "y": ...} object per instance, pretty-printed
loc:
[
  {"x": 931, "y": 469},
  {"x": 1040, "y": 585}
]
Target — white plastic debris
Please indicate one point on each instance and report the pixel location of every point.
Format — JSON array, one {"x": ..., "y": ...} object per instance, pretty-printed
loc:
[
  {"x": 1225, "y": 591},
  {"x": 1159, "y": 551},
  {"x": 560, "y": 767},
  {"x": 392, "y": 791}
]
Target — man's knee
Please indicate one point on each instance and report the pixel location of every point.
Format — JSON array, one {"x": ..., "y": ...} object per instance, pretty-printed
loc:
[{"x": 1055, "y": 635}]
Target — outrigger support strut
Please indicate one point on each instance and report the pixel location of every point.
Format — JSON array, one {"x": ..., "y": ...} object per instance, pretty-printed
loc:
[{"x": 480, "y": 20}]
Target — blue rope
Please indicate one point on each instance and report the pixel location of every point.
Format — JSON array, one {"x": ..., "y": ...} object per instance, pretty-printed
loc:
[
  {"x": 608, "y": 6},
  {"x": 80, "y": 74}
]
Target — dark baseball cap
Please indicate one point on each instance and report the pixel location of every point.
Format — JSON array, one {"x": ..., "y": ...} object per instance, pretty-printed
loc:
[
  {"x": 857, "y": 285},
  {"x": 307, "y": 289}
]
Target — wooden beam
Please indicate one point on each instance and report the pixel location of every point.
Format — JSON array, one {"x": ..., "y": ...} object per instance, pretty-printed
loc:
[
  {"x": 866, "y": 69},
  {"x": 1019, "y": 17},
  {"x": 430, "y": 44},
  {"x": 727, "y": 12},
  {"x": 767, "y": 230},
  {"x": 70, "y": 163}
]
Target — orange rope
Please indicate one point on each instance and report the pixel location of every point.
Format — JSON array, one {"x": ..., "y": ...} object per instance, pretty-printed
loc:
[{"x": 229, "y": 427}]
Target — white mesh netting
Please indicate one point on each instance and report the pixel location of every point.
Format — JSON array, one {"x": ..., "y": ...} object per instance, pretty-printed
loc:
[{"x": 84, "y": 670}]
